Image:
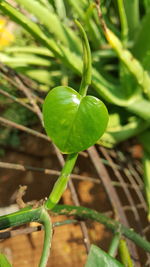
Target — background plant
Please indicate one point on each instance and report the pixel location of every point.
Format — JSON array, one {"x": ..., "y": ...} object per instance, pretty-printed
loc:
[{"x": 124, "y": 85}]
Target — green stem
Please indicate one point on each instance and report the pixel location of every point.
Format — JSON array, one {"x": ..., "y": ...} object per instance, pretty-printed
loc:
[
  {"x": 86, "y": 213},
  {"x": 61, "y": 183},
  {"x": 62, "y": 223},
  {"x": 86, "y": 74},
  {"x": 124, "y": 254},
  {"x": 27, "y": 215},
  {"x": 23, "y": 216},
  {"x": 45, "y": 220},
  {"x": 114, "y": 244}
]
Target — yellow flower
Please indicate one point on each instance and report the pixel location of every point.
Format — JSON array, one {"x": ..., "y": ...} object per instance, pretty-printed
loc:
[{"x": 6, "y": 37}]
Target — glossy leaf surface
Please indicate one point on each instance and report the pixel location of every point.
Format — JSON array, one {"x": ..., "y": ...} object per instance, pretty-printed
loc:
[
  {"x": 73, "y": 122},
  {"x": 99, "y": 258}
]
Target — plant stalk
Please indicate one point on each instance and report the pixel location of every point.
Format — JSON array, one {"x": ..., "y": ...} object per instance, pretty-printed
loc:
[
  {"x": 46, "y": 221},
  {"x": 62, "y": 181},
  {"x": 114, "y": 244},
  {"x": 86, "y": 213},
  {"x": 27, "y": 215},
  {"x": 86, "y": 73}
]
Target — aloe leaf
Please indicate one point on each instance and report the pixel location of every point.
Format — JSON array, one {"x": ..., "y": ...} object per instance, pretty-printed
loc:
[
  {"x": 97, "y": 257},
  {"x": 142, "y": 43},
  {"x": 140, "y": 107},
  {"x": 133, "y": 65},
  {"x": 53, "y": 23},
  {"x": 123, "y": 21},
  {"x": 94, "y": 31},
  {"x": 78, "y": 7},
  {"x": 108, "y": 91},
  {"x": 147, "y": 4},
  {"x": 24, "y": 59},
  {"x": 73, "y": 122},
  {"x": 43, "y": 51},
  {"x": 29, "y": 26},
  {"x": 47, "y": 4},
  {"x": 60, "y": 8},
  {"x": 120, "y": 133},
  {"x": 40, "y": 75},
  {"x": 3, "y": 261},
  {"x": 133, "y": 17}
]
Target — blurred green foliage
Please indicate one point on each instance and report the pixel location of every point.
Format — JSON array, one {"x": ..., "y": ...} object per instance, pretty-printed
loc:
[
  {"x": 16, "y": 113},
  {"x": 48, "y": 50}
]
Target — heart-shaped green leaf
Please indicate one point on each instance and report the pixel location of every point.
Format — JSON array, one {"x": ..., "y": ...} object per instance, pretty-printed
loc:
[{"x": 73, "y": 122}]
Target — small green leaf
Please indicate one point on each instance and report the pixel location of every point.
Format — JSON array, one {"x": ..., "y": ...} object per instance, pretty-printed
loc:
[
  {"x": 3, "y": 261},
  {"x": 99, "y": 258},
  {"x": 73, "y": 122}
]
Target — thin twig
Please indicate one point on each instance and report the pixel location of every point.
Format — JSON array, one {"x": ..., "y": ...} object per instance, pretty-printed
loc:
[
  {"x": 32, "y": 229},
  {"x": 20, "y": 193},
  {"x": 14, "y": 79},
  {"x": 23, "y": 128},
  {"x": 30, "y": 97},
  {"x": 100, "y": 15},
  {"x": 10, "y": 73},
  {"x": 20, "y": 167},
  {"x": 17, "y": 100}
]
